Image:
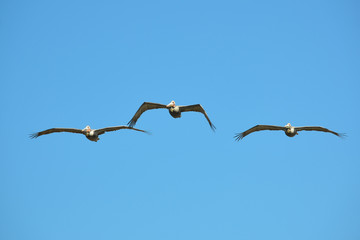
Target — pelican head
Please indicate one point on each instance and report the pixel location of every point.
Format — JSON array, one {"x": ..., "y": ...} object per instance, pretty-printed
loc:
[
  {"x": 171, "y": 104},
  {"x": 87, "y": 129},
  {"x": 288, "y": 125}
]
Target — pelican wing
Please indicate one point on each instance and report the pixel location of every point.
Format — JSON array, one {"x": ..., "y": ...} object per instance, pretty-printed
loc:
[
  {"x": 144, "y": 107},
  {"x": 197, "y": 108},
  {"x": 110, "y": 129},
  {"x": 240, "y": 136},
  {"x": 54, "y": 130},
  {"x": 316, "y": 128}
]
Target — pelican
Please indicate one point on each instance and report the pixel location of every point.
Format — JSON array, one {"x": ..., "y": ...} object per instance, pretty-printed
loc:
[
  {"x": 289, "y": 130},
  {"x": 91, "y": 134},
  {"x": 174, "y": 110}
]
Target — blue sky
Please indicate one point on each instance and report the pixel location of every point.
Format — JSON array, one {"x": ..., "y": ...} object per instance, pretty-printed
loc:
[{"x": 70, "y": 64}]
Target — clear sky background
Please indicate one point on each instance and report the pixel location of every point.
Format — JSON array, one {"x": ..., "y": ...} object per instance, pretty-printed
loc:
[{"x": 74, "y": 63}]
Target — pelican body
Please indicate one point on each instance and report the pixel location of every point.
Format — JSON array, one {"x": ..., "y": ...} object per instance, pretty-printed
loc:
[
  {"x": 91, "y": 134},
  {"x": 174, "y": 110},
  {"x": 290, "y": 131}
]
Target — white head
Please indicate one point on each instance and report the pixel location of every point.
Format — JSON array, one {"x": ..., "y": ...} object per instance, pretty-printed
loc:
[
  {"x": 171, "y": 104},
  {"x": 87, "y": 129},
  {"x": 288, "y": 125}
]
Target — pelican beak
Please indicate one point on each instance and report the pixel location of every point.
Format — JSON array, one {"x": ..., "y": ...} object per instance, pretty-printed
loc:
[{"x": 171, "y": 104}]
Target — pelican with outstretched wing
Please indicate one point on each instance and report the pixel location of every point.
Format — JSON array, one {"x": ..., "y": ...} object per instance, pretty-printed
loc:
[
  {"x": 174, "y": 110},
  {"x": 91, "y": 134},
  {"x": 289, "y": 130}
]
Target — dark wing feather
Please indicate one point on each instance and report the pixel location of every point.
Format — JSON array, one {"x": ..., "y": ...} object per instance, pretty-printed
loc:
[
  {"x": 54, "y": 130},
  {"x": 255, "y": 129},
  {"x": 316, "y": 128},
  {"x": 197, "y": 108},
  {"x": 144, "y": 107},
  {"x": 110, "y": 129}
]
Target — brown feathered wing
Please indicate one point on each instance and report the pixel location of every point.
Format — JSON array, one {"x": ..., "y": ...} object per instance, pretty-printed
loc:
[
  {"x": 110, "y": 129},
  {"x": 144, "y": 107},
  {"x": 321, "y": 129},
  {"x": 54, "y": 130},
  {"x": 240, "y": 136},
  {"x": 197, "y": 108}
]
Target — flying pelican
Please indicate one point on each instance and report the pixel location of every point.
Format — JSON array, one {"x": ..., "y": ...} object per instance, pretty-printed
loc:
[
  {"x": 91, "y": 134},
  {"x": 289, "y": 130},
  {"x": 174, "y": 110}
]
